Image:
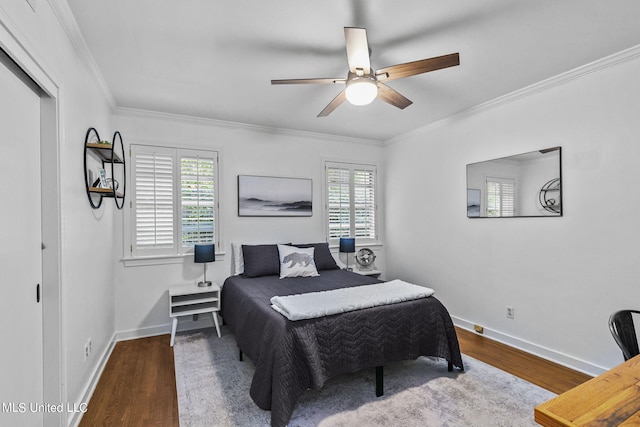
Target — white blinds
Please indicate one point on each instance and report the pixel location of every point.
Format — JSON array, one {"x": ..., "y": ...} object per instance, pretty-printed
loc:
[
  {"x": 173, "y": 205},
  {"x": 339, "y": 202},
  {"x": 351, "y": 205},
  {"x": 197, "y": 190},
  {"x": 153, "y": 199},
  {"x": 364, "y": 203},
  {"x": 500, "y": 196}
]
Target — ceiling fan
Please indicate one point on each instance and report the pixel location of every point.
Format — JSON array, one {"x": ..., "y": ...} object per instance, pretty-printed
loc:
[{"x": 362, "y": 84}]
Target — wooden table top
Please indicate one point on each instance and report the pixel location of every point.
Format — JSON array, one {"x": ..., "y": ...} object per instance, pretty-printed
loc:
[{"x": 610, "y": 399}]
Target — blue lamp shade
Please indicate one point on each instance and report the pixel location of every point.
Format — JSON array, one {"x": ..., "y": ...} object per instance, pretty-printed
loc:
[
  {"x": 347, "y": 244},
  {"x": 204, "y": 253}
]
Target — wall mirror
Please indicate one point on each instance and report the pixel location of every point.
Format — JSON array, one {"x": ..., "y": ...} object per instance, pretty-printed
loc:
[{"x": 524, "y": 185}]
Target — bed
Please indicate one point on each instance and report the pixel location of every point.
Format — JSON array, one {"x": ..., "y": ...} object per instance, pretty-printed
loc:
[{"x": 292, "y": 356}]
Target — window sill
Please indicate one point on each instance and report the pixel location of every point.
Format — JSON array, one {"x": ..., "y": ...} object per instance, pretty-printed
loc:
[
  {"x": 372, "y": 245},
  {"x": 164, "y": 259}
]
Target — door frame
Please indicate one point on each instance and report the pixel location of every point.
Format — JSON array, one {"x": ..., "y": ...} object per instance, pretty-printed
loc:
[{"x": 19, "y": 50}]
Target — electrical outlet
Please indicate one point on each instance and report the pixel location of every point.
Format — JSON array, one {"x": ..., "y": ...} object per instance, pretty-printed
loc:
[
  {"x": 510, "y": 312},
  {"x": 87, "y": 349}
]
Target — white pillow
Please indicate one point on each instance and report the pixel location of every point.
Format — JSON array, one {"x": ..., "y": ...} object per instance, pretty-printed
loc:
[
  {"x": 297, "y": 262},
  {"x": 238, "y": 259}
]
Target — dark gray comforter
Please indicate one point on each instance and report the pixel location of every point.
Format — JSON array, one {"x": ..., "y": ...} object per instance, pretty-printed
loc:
[{"x": 292, "y": 356}]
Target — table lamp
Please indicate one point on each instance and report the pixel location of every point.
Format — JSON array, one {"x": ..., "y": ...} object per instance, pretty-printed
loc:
[
  {"x": 348, "y": 246},
  {"x": 204, "y": 254}
]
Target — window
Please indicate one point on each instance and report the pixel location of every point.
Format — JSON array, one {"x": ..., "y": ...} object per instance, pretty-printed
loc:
[
  {"x": 350, "y": 201},
  {"x": 500, "y": 196},
  {"x": 174, "y": 204}
]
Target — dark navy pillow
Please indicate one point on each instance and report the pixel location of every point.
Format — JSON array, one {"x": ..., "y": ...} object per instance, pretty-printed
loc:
[
  {"x": 261, "y": 260},
  {"x": 322, "y": 256}
]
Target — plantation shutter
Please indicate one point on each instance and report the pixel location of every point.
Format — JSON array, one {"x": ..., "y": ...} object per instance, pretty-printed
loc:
[
  {"x": 197, "y": 191},
  {"x": 500, "y": 197},
  {"x": 364, "y": 203},
  {"x": 174, "y": 200},
  {"x": 350, "y": 203},
  {"x": 339, "y": 201},
  {"x": 153, "y": 195}
]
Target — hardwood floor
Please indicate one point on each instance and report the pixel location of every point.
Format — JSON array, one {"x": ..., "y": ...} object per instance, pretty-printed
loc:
[
  {"x": 536, "y": 370},
  {"x": 137, "y": 387}
]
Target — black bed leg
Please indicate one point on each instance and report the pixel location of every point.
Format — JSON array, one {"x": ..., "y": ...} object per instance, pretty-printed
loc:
[
  {"x": 450, "y": 367},
  {"x": 379, "y": 381},
  {"x": 240, "y": 355}
]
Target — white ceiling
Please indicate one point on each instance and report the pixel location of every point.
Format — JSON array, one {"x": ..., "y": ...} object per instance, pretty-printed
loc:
[{"x": 215, "y": 58}]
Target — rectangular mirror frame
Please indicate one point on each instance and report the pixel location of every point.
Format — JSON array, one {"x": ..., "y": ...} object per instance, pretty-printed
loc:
[{"x": 511, "y": 183}]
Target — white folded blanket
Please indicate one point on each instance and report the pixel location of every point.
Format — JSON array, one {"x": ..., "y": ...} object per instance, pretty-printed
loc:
[{"x": 325, "y": 303}]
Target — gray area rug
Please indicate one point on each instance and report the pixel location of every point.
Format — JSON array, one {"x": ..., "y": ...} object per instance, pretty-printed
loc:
[{"x": 213, "y": 390}]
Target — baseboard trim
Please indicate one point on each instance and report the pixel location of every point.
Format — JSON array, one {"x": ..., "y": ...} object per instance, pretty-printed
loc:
[
  {"x": 184, "y": 324},
  {"x": 535, "y": 349},
  {"x": 85, "y": 396},
  {"x": 151, "y": 331}
]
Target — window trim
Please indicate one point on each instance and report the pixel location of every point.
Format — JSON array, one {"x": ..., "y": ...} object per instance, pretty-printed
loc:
[
  {"x": 351, "y": 166},
  {"x": 133, "y": 257}
]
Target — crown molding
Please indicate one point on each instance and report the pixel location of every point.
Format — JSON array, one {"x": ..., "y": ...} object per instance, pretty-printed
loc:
[
  {"x": 585, "y": 70},
  {"x": 68, "y": 22},
  {"x": 203, "y": 121}
]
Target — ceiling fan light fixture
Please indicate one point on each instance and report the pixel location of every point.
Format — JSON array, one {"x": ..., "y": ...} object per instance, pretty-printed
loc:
[{"x": 361, "y": 90}]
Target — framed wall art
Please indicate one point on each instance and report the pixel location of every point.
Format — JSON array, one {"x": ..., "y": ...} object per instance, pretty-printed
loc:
[{"x": 274, "y": 196}]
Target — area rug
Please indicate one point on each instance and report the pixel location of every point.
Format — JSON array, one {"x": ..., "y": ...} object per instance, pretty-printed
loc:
[{"x": 213, "y": 390}]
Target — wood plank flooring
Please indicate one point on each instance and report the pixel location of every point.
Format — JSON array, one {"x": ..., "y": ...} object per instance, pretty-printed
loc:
[
  {"x": 137, "y": 387},
  {"x": 536, "y": 370}
]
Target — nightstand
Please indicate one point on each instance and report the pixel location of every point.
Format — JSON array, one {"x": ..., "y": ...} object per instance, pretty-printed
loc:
[
  {"x": 374, "y": 273},
  {"x": 191, "y": 299}
]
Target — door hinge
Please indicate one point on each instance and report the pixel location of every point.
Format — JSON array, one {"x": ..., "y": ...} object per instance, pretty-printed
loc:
[{"x": 38, "y": 292}]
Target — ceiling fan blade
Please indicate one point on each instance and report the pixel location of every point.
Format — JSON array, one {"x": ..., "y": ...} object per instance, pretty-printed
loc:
[
  {"x": 418, "y": 67},
  {"x": 335, "y": 103},
  {"x": 307, "y": 81},
  {"x": 390, "y": 96},
  {"x": 357, "y": 50}
]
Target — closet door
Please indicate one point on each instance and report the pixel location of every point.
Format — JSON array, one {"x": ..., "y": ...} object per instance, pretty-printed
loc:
[{"x": 21, "y": 358}]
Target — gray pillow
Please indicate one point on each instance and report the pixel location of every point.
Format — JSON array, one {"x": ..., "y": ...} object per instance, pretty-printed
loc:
[
  {"x": 322, "y": 256},
  {"x": 261, "y": 260}
]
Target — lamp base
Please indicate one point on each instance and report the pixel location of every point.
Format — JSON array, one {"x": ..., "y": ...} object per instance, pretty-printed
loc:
[{"x": 204, "y": 284}]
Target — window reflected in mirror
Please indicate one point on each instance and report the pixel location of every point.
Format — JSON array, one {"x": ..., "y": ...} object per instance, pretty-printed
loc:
[{"x": 524, "y": 185}]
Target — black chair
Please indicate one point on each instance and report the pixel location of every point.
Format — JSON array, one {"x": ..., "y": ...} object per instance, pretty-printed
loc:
[{"x": 624, "y": 332}]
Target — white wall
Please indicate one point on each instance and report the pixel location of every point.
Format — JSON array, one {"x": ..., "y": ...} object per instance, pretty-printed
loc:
[
  {"x": 564, "y": 276},
  {"x": 87, "y": 236},
  {"x": 141, "y": 291}
]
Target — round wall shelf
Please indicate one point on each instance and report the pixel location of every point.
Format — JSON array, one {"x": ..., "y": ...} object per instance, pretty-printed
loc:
[{"x": 110, "y": 180}]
